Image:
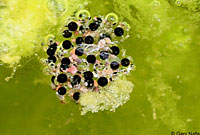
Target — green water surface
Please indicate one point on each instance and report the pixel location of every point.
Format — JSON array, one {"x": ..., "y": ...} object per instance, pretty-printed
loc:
[{"x": 164, "y": 44}]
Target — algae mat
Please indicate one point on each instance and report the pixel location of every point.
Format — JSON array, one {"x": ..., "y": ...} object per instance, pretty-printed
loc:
[{"x": 164, "y": 44}]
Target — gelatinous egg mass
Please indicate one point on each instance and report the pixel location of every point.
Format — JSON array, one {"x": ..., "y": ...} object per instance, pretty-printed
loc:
[{"x": 87, "y": 62}]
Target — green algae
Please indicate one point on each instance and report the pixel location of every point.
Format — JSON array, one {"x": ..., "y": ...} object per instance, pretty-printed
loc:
[
  {"x": 20, "y": 24},
  {"x": 164, "y": 44},
  {"x": 24, "y": 26},
  {"x": 164, "y": 108},
  {"x": 162, "y": 21}
]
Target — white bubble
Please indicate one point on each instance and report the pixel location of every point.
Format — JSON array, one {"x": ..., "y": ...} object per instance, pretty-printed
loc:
[
  {"x": 112, "y": 17},
  {"x": 83, "y": 14}
]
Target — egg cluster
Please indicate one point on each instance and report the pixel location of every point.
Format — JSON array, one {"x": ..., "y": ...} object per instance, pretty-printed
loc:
[{"x": 89, "y": 56}]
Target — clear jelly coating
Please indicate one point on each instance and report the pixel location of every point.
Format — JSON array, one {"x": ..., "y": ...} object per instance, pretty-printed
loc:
[{"x": 87, "y": 62}]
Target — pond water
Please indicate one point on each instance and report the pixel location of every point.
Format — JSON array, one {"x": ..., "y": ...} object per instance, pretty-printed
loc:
[{"x": 164, "y": 43}]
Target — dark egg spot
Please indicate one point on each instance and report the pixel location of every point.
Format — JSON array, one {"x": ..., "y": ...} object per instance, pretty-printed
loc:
[
  {"x": 61, "y": 78},
  {"x": 51, "y": 59},
  {"x": 51, "y": 51},
  {"x": 125, "y": 62},
  {"x": 88, "y": 75},
  {"x": 79, "y": 40},
  {"x": 72, "y": 26},
  {"x": 63, "y": 67},
  {"x": 79, "y": 51},
  {"x": 76, "y": 80},
  {"x": 89, "y": 40},
  {"x": 82, "y": 29},
  {"x": 102, "y": 81},
  {"x": 119, "y": 31},
  {"x": 53, "y": 46},
  {"x": 66, "y": 44},
  {"x": 99, "y": 21},
  {"x": 114, "y": 65},
  {"x": 89, "y": 82},
  {"x": 115, "y": 50},
  {"x": 91, "y": 59},
  {"x": 65, "y": 61},
  {"x": 104, "y": 35},
  {"x": 104, "y": 55},
  {"x": 76, "y": 96},
  {"x": 52, "y": 79},
  {"x": 93, "y": 26},
  {"x": 67, "y": 34},
  {"x": 62, "y": 91}
]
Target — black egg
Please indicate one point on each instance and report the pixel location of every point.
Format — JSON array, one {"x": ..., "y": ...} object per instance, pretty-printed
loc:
[
  {"x": 63, "y": 67},
  {"x": 125, "y": 62},
  {"x": 114, "y": 65},
  {"x": 89, "y": 82},
  {"x": 76, "y": 96},
  {"x": 51, "y": 51},
  {"x": 62, "y": 91},
  {"x": 88, "y": 75},
  {"x": 91, "y": 59},
  {"x": 79, "y": 51},
  {"x": 61, "y": 78},
  {"x": 93, "y": 26},
  {"x": 65, "y": 61},
  {"x": 102, "y": 81},
  {"x": 51, "y": 59},
  {"x": 104, "y": 55},
  {"x": 82, "y": 29},
  {"x": 72, "y": 26},
  {"x": 98, "y": 21},
  {"x": 52, "y": 79},
  {"x": 89, "y": 40},
  {"x": 67, "y": 34},
  {"x": 53, "y": 46},
  {"x": 76, "y": 80},
  {"x": 79, "y": 40},
  {"x": 67, "y": 44},
  {"x": 119, "y": 31},
  {"x": 115, "y": 50}
]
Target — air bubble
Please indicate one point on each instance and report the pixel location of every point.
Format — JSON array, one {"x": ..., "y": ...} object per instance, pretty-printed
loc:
[
  {"x": 112, "y": 17},
  {"x": 55, "y": 7},
  {"x": 50, "y": 39},
  {"x": 83, "y": 14},
  {"x": 178, "y": 3},
  {"x": 126, "y": 28},
  {"x": 156, "y": 17},
  {"x": 155, "y": 3}
]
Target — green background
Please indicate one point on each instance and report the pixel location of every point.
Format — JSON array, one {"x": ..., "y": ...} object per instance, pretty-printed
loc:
[{"x": 164, "y": 44}]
